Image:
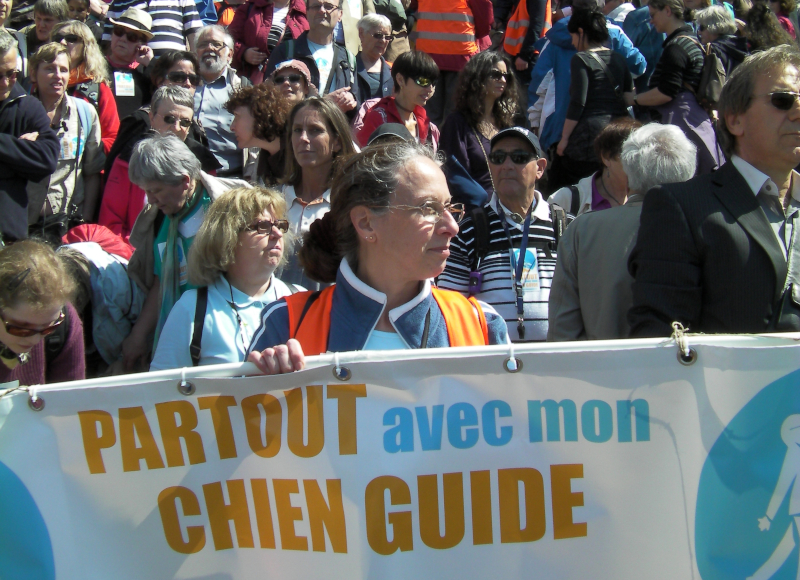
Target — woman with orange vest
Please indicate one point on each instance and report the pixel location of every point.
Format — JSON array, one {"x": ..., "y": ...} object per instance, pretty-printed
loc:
[{"x": 385, "y": 238}]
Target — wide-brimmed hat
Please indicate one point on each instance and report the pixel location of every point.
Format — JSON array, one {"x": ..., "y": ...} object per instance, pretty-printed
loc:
[{"x": 136, "y": 20}]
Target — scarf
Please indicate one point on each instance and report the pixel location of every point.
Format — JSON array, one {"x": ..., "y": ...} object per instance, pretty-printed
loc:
[
  {"x": 78, "y": 75},
  {"x": 170, "y": 264}
]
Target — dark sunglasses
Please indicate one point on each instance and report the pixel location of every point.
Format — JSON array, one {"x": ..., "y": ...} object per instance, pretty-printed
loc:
[
  {"x": 129, "y": 34},
  {"x": 180, "y": 77},
  {"x": 496, "y": 75},
  {"x": 293, "y": 79},
  {"x": 517, "y": 157},
  {"x": 172, "y": 119},
  {"x": 783, "y": 100},
  {"x": 70, "y": 38},
  {"x": 25, "y": 332},
  {"x": 423, "y": 82},
  {"x": 10, "y": 75},
  {"x": 265, "y": 226},
  {"x": 379, "y": 36}
]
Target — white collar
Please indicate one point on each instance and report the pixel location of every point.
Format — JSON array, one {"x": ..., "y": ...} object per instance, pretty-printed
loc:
[
  {"x": 240, "y": 299},
  {"x": 541, "y": 211},
  {"x": 291, "y": 196},
  {"x": 380, "y": 297},
  {"x": 756, "y": 179}
]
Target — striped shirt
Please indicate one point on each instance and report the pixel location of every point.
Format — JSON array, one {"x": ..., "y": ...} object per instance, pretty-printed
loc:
[
  {"x": 173, "y": 21},
  {"x": 498, "y": 287}
]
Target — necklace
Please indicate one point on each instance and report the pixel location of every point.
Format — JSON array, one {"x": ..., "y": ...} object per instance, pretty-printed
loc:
[{"x": 611, "y": 199}]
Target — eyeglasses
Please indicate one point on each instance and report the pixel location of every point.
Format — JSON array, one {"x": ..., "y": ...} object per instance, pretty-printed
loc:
[
  {"x": 293, "y": 79},
  {"x": 386, "y": 37},
  {"x": 129, "y": 34},
  {"x": 496, "y": 75},
  {"x": 265, "y": 226},
  {"x": 172, "y": 119},
  {"x": 518, "y": 157},
  {"x": 180, "y": 77},
  {"x": 423, "y": 82},
  {"x": 25, "y": 332},
  {"x": 214, "y": 45},
  {"x": 326, "y": 6},
  {"x": 10, "y": 75},
  {"x": 70, "y": 38},
  {"x": 432, "y": 211},
  {"x": 783, "y": 100}
]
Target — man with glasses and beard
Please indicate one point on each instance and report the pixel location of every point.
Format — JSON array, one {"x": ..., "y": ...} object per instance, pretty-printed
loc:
[
  {"x": 719, "y": 253},
  {"x": 29, "y": 146}
]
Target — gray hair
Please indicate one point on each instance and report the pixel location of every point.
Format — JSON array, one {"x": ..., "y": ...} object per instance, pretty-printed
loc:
[
  {"x": 656, "y": 154},
  {"x": 162, "y": 158},
  {"x": 7, "y": 42},
  {"x": 716, "y": 19},
  {"x": 737, "y": 92},
  {"x": 58, "y": 9},
  {"x": 374, "y": 21},
  {"x": 175, "y": 95},
  {"x": 216, "y": 28}
]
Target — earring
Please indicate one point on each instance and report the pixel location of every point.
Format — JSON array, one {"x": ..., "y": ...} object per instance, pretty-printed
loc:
[{"x": 369, "y": 238}]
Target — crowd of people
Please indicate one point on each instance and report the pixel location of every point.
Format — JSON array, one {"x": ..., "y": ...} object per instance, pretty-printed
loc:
[{"x": 189, "y": 183}]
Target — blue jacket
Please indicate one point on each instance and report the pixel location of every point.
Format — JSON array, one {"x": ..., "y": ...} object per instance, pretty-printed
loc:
[
  {"x": 355, "y": 311},
  {"x": 556, "y": 54},
  {"x": 647, "y": 39}
]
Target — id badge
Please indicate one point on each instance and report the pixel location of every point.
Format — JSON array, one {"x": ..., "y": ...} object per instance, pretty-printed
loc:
[
  {"x": 123, "y": 84},
  {"x": 530, "y": 270},
  {"x": 69, "y": 147}
]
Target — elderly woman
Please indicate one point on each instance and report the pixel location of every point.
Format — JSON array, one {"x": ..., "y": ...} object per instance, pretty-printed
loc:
[
  {"x": 128, "y": 59},
  {"x": 259, "y": 120},
  {"x": 178, "y": 195},
  {"x": 384, "y": 240},
  {"x": 35, "y": 290},
  {"x": 414, "y": 75},
  {"x": 716, "y": 26},
  {"x": 293, "y": 79},
  {"x": 374, "y": 74},
  {"x": 608, "y": 187},
  {"x": 232, "y": 261},
  {"x": 592, "y": 289},
  {"x": 89, "y": 77}
]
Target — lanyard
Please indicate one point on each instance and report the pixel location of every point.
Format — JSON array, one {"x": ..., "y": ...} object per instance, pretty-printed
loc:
[{"x": 517, "y": 267}]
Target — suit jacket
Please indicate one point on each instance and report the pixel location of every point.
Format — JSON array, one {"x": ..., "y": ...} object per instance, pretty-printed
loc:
[{"x": 707, "y": 257}]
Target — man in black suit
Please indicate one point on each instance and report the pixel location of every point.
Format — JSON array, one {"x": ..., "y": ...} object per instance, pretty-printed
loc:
[{"x": 719, "y": 253}]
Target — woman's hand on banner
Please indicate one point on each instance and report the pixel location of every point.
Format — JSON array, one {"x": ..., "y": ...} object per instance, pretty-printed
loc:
[{"x": 284, "y": 358}]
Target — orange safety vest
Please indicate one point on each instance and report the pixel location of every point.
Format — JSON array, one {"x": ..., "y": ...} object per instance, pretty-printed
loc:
[
  {"x": 445, "y": 27},
  {"x": 310, "y": 324},
  {"x": 225, "y": 13},
  {"x": 517, "y": 27}
]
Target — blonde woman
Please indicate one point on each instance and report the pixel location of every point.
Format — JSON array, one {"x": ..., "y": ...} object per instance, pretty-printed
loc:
[
  {"x": 233, "y": 259},
  {"x": 89, "y": 77}
]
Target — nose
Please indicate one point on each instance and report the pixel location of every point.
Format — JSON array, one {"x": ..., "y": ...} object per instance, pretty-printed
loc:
[
  {"x": 447, "y": 226},
  {"x": 63, "y": 42},
  {"x": 276, "y": 233}
]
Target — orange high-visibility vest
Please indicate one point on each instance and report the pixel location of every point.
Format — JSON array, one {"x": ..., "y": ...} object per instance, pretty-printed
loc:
[
  {"x": 445, "y": 27},
  {"x": 517, "y": 27},
  {"x": 310, "y": 324}
]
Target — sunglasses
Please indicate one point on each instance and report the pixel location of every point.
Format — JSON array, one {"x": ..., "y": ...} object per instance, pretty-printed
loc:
[
  {"x": 496, "y": 75},
  {"x": 265, "y": 226},
  {"x": 379, "y": 36},
  {"x": 172, "y": 119},
  {"x": 783, "y": 100},
  {"x": 423, "y": 82},
  {"x": 180, "y": 77},
  {"x": 25, "y": 332},
  {"x": 10, "y": 75},
  {"x": 70, "y": 38},
  {"x": 130, "y": 35},
  {"x": 293, "y": 79},
  {"x": 517, "y": 157}
]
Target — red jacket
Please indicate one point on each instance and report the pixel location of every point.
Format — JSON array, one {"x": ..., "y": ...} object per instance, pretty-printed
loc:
[
  {"x": 122, "y": 201},
  {"x": 250, "y": 28},
  {"x": 385, "y": 111}
]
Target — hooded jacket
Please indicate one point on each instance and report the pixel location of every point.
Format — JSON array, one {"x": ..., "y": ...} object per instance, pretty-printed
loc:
[{"x": 731, "y": 50}]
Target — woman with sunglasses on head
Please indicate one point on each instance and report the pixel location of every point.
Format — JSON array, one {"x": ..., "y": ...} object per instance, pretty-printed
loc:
[
  {"x": 487, "y": 98},
  {"x": 386, "y": 237},
  {"x": 128, "y": 58},
  {"x": 414, "y": 74},
  {"x": 232, "y": 262},
  {"x": 35, "y": 290},
  {"x": 89, "y": 76}
]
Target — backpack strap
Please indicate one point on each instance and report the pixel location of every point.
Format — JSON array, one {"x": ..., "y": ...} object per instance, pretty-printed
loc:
[
  {"x": 90, "y": 90},
  {"x": 559, "y": 222},
  {"x": 576, "y": 199},
  {"x": 289, "y": 48},
  {"x": 611, "y": 78},
  {"x": 199, "y": 322},
  {"x": 85, "y": 125},
  {"x": 480, "y": 222},
  {"x": 55, "y": 343}
]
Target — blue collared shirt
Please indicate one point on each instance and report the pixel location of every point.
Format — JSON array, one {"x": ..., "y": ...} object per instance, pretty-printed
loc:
[{"x": 209, "y": 107}]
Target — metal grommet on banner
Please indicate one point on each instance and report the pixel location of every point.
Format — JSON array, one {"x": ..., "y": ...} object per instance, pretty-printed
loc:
[
  {"x": 686, "y": 355},
  {"x": 35, "y": 402},
  {"x": 512, "y": 364},
  {"x": 185, "y": 387},
  {"x": 340, "y": 372}
]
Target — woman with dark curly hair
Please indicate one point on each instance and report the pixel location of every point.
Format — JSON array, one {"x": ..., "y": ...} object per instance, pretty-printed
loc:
[
  {"x": 487, "y": 98},
  {"x": 782, "y": 9},
  {"x": 763, "y": 29},
  {"x": 259, "y": 119}
]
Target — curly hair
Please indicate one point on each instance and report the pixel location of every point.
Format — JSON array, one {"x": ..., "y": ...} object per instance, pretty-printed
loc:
[
  {"x": 764, "y": 30},
  {"x": 270, "y": 109},
  {"x": 786, "y": 6},
  {"x": 473, "y": 84},
  {"x": 95, "y": 63}
]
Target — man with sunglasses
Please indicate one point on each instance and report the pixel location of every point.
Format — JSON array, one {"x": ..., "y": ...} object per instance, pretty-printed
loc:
[
  {"x": 719, "y": 253},
  {"x": 29, "y": 146},
  {"x": 505, "y": 252},
  {"x": 128, "y": 60}
]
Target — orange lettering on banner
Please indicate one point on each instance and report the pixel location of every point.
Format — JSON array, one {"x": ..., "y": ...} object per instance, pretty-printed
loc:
[
  {"x": 564, "y": 499},
  {"x": 288, "y": 514},
  {"x": 481, "y": 499},
  {"x": 172, "y": 433},
  {"x": 296, "y": 425},
  {"x": 375, "y": 512},
  {"x": 326, "y": 516},
  {"x": 133, "y": 423},
  {"x": 270, "y": 444},
  {"x": 94, "y": 442},
  {"x": 511, "y": 530},
  {"x": 266, "y": 529},
  {"x": 347, "y": 395},
  {"x": 220, "y": 513},
  {"x": 167, "y": 507},
  {"x": 453, "y": 492},
  {"x": 221, "y": 418}
]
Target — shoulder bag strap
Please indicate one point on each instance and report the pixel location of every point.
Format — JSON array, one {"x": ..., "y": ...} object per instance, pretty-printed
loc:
[
  {"x": 199, "y": 322},
  {"x": 607, "y": 71}
]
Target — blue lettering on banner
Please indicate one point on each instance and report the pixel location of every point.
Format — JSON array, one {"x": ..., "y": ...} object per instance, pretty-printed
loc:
[
  {"x": 462, "y": 419},
  {"x": 401, "y": 436},
  {"x": 490, "y": 411},
  {"x": 597, "y": 420},
  {"x": 430, "y": 432}
]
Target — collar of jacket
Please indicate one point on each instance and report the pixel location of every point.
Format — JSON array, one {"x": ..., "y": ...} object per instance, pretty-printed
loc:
[{"x": 17, "y": 92}]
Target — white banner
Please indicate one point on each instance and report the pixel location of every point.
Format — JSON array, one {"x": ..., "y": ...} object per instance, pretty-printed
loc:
[{"x": 596, "y": 460}]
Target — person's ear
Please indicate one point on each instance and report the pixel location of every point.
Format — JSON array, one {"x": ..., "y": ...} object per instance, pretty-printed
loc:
[
  {"x": 734, "y": 123},
  {"x": 541, "y": 165},
  {"x": 362, "y": 219}
]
